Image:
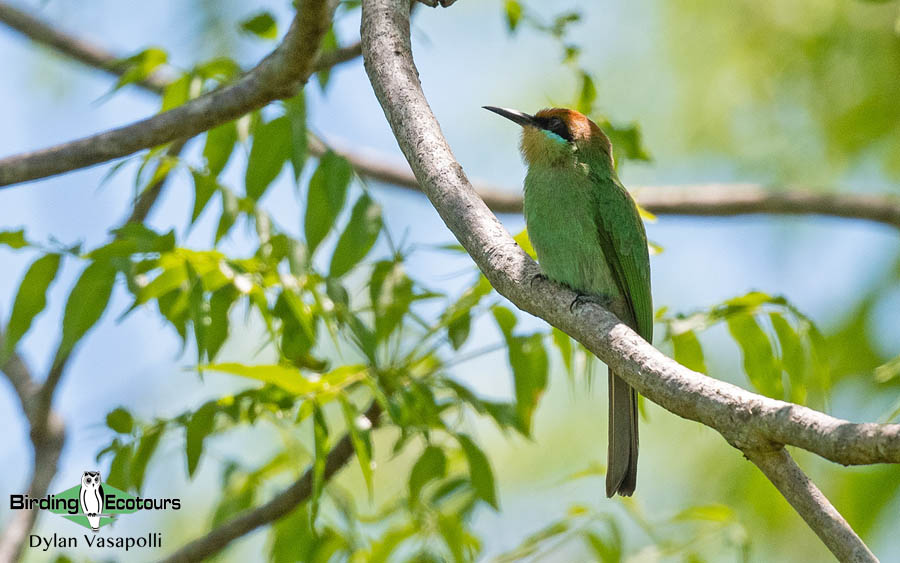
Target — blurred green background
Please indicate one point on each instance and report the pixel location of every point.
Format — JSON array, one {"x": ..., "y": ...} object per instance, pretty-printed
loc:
[{"x": 786, "y": 94}]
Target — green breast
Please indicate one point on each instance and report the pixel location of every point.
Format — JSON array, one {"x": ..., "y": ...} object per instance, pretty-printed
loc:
[{"x": 560, "y": 207}]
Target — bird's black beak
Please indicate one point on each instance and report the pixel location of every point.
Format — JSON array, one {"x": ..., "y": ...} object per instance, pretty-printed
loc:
[{"x": 515, "y": 116}]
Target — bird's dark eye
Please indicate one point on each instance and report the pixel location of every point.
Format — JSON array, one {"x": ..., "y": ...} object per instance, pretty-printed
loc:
[{"x": 558, "y": 126}]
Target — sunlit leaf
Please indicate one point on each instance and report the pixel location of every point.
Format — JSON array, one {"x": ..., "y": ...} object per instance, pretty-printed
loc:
[
  {"x": 87, "y": 302},
  {"x": 480, "y": 473},
  {"x": 358, "y": 429},
  {"x": 218, "y": 148},
  {"x": 198, "y": 428},
  {"x": 262, "y": 25},
  {"x": 688, "y": 351},
  {"x": 432, "y": 464},
  {"x": 358, "y": 238},
  {"x": 327, "y": 193},
  {"x": 295, "y": 111},
  {"x": 30, "y": 301},
  {"x": 513, "y": 10},
  {"x": 120, "y": 420},
  {"x": 14, "y": 239},
  {"x": 270, "y": 150},
  {"x": 758, "y": 358},
  {"x": 145, "y": 449}
]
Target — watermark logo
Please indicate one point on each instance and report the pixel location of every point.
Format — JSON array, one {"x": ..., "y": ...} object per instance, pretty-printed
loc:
[{"x": 93, "y": 504}]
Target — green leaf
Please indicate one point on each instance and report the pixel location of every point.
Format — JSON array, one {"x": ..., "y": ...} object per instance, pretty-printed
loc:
[
  {"x": 30, "y": 301},
  {"x": 391, "y": 294},
  {"x": 458, "y": 330},
  {"x": 320, "y": 439},
  {"x": 205, "y": 186},
  {"x": 588, "y": 94},
  {"x": 14, "y": 239},
  {"x": 198, "y": 428},
  {"x": 230, "y": 210},
  {"x": 293, "y": 539},
  {"x": 358, "y": 238},
  {"x": 524, "y": 242},
  {"x": 793, "y": 357},
  {"x": 271, "y": 149},
  {"x": 480, "y": 473},
  {"x": 327, "y": 194},
  {"x": 219, "y": 145},
  {"x": 262, "y": 25},
  {"x": 119, "y": 474},
  {"x": 134, "y": 238},
  {"x": 688, "y": 351},
  {"x": 140, "y": 66},
  {"x": 146, "y": 447},
  {"x": 564, "y": 344},
  {"x": 87, "y": 302},
  {"x": 120, "y": 420},
  {"x": 289, "y": 379},
  {"x": 759, "y": 361},
  {"x": 358, "y": 428},
  {"x": 506, "y": 320},
  {"x": 217, "y": 332},
  {"x": 295, "y": 111},
  {"x": 177, "y": 92},
  {"x": 513, "y": 11},
  {"x": 528, "y": 359},
  {"x": 327, "y": 44},
  {"x": 709, "y": 513},
  {"x": 432, "y": 464}
]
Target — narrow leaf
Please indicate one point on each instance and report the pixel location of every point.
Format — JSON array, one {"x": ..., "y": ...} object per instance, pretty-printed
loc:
[
  {"x": 327, "y": 193},
  {"x": 480, "y": 473},
  {"x": 87, "y": 302},
  {"x": 30, "y": 300},
  {"x": 271, "y": 149},
  {"x": 358, "y": 238}
]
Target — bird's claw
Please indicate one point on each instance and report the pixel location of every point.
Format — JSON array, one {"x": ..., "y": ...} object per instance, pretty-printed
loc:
[
  {"x": 535, "y": 277},
  {"x": 603, "y": 300}
]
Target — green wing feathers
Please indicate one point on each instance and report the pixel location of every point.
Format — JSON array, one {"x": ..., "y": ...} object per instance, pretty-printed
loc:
[{"x": 624, "y": 242}]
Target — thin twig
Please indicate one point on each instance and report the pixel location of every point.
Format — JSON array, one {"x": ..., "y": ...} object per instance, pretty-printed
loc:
[{"x": 750, "y": 422}]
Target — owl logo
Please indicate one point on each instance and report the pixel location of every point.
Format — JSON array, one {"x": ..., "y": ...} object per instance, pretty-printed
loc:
[{"x": 91, "y": 496}]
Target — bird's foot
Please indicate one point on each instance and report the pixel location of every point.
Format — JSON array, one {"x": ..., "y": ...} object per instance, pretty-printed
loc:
[
  {"x": 535, "y": 278},
  {"x": 603, "y": 300}
]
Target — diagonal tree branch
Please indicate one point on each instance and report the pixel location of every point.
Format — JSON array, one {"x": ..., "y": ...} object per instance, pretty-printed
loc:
[
  {"x": 281, "y": 505},
  {"x": 750, "y": 422},
  {"x": 277, "y": 76}
]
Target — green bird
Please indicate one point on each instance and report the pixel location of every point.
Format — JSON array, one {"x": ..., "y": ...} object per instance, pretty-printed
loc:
[{"x": 588, "y": 235}]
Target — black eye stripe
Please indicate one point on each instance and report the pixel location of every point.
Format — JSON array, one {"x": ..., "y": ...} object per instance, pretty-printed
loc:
[{"x": 555, "y": 125}]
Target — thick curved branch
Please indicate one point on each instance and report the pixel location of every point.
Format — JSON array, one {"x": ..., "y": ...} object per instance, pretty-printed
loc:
[
  {"x": 280, "y": 506},
  {"x": 750, "y": 422},
  {"x": 277, "y": 76}
]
